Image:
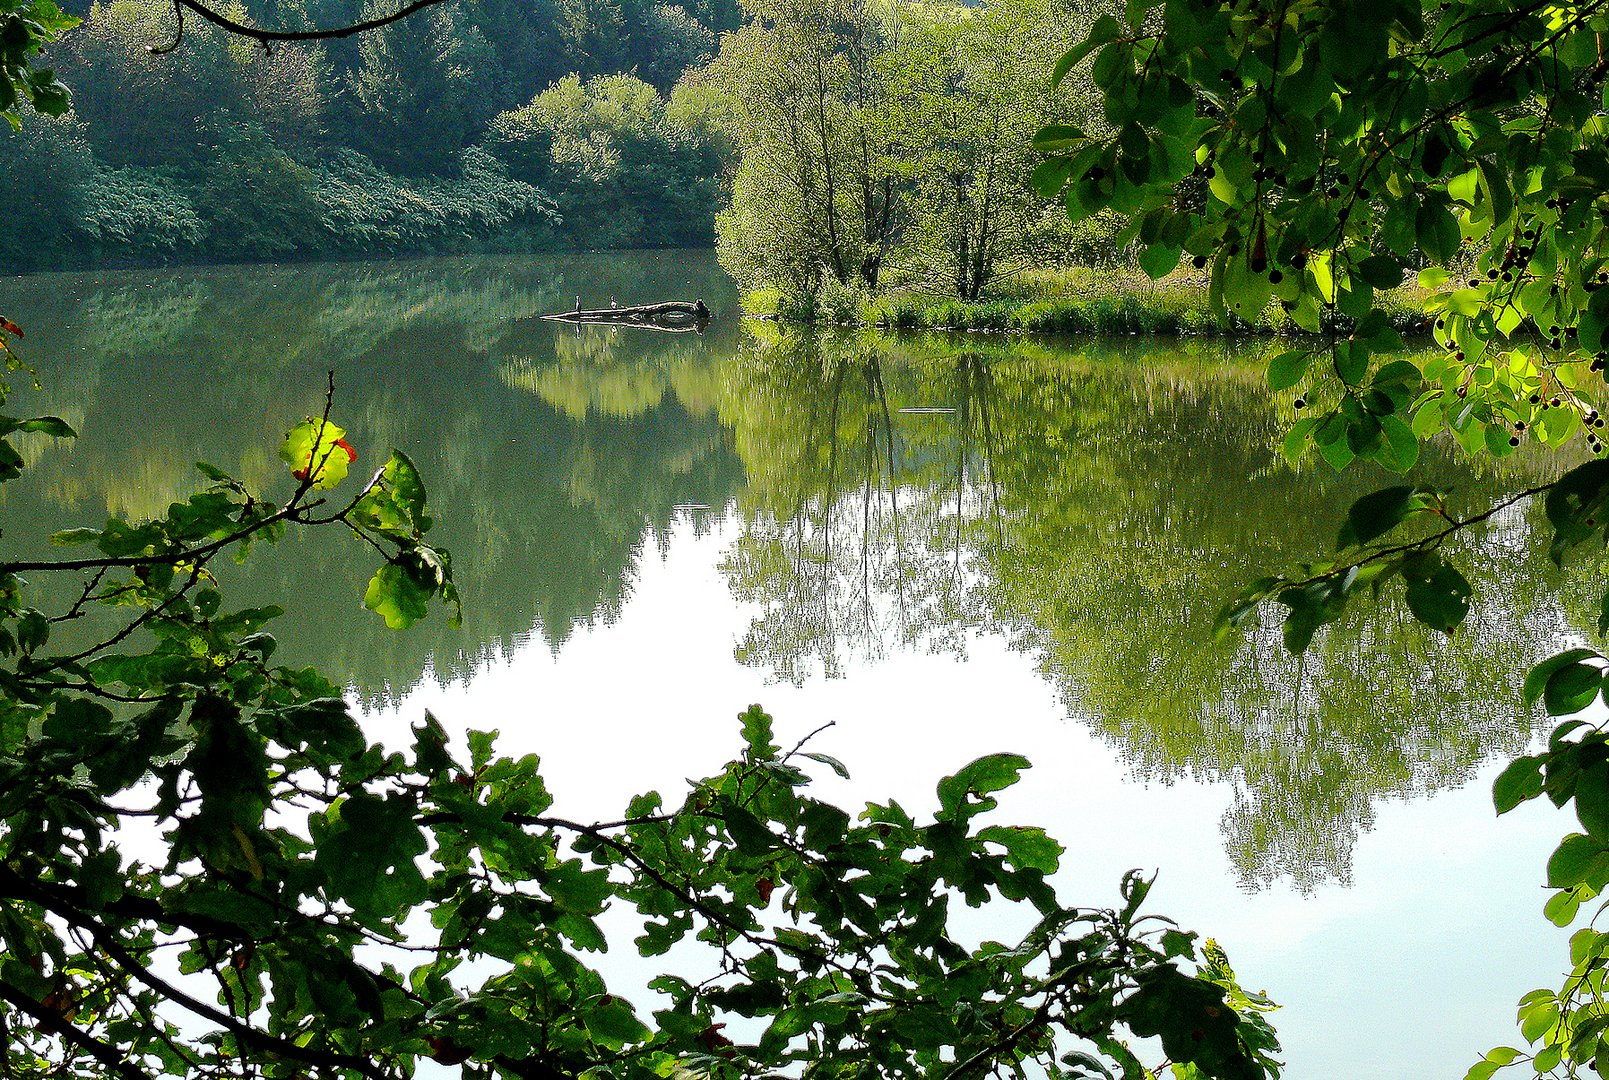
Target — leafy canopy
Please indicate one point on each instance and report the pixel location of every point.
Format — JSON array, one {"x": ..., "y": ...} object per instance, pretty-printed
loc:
[
  {"x": 1313, "y": 153},
  {"x": 26, "y": 27}
]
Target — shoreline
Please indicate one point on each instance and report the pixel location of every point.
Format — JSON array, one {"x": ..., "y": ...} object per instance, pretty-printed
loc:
[{"x": 1077, "y": 302}]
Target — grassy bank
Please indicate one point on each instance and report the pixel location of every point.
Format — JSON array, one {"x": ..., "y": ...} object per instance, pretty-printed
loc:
[{"x": 1073, "y": 301}]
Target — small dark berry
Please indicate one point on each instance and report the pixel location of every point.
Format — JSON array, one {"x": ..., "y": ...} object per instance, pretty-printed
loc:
[
  {"x": 1199, "y": 262},
  {"x": 1275, "y": 277},
  {"x": 1514, "y": 440}
]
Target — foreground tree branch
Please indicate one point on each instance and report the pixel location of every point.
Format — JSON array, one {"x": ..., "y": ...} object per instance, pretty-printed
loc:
[{"x": 268, "y": 38}]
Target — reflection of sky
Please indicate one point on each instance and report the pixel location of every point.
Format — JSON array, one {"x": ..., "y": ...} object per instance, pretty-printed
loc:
[{"x": 1412, "y": 972}]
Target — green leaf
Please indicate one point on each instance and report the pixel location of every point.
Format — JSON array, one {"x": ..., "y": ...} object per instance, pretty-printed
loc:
[
  {"x": 1400, "y": 450},
  {"x": 50, "y": 425},
  {"x": 1438, "y": 594},
  {"x": 1027, "y": 848},
  {"x": 1571, "y": 688},
  {"x": 1576, "y": 503},
  {"x": 317, "y": 452},
  {"x": 1432, "y": 278},
  {"x": 1578, "y": 860},
  {"x": 1536, "y": 680},
  {"x": 1294, "y": 448},
  {"x": 1105, "y": 29},
  {"x": 1562, "y": 907},
  {"x": 984, "y": 776},
  {"x": 1521, "y": 781},
  {"x": 613, "y": 1025},
  {"x": 1159, "y": 260},
  {"x": 397, "y": 596},
  {"x": 828, "y": 760},
  {"x": 1437, "y": 231},
  {"x": 1058, "y": 138},
  {"x": 757, "y": 734},
  {"x": 1381, "y": 271},
  {"x": 1050, "y": 176},
  {"x": 1287, "y": 368},
  {"x": 1378, "y": 512},
  {"x": 1592, "y": 799}
]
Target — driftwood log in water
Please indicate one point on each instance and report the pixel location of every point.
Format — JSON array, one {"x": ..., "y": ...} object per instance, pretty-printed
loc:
[{"x": 678, "y": 314}]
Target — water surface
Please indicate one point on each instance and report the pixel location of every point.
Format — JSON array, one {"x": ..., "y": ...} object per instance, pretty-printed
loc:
[{"x": 944, "y": 546}]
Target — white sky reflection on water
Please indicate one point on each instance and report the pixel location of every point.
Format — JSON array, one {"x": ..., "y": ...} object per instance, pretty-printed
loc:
[{"x": 1411, "y": 972}]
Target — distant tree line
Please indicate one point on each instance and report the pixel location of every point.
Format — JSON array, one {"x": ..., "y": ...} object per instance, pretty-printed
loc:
[
  {"x": 480, "y": 125},
  {"x": 828, "y": 145}
]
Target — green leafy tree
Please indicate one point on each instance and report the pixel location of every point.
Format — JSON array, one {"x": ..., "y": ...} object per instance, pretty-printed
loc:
[
  {"x": 111, "y": 66},
  {"x": 620, "y": 171},
  {"x": 963, "y": 105},
  {"x": 1313, "y": 153},
  {"x": 420, "y": 90},
  {"x": 816, "y": 195}
]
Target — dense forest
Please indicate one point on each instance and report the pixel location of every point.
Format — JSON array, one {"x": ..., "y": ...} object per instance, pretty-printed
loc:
[
  {"x": 827, "y": 145},
  {"x": 481, "y": 125}
]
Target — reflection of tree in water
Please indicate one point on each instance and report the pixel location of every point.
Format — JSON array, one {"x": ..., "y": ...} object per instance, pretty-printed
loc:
[
  {"x": 1120, "y": 519},
  {"x": 860, "y": 494},
  {"x": 1094, "y": 507},
  {"x": 546, "y": 512}
]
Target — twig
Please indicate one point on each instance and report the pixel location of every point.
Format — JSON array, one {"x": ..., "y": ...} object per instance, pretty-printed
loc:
[{"x": 52, "y": 1023}]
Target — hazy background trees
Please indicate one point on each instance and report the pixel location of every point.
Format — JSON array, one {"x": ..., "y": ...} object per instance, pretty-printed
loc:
[
  {"x": 395, "y": 141},
  {"x": 851, "y": 144}
]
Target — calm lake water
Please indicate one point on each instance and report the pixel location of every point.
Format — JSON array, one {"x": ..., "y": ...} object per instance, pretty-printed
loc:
[{"x": 943, "y": 546}]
